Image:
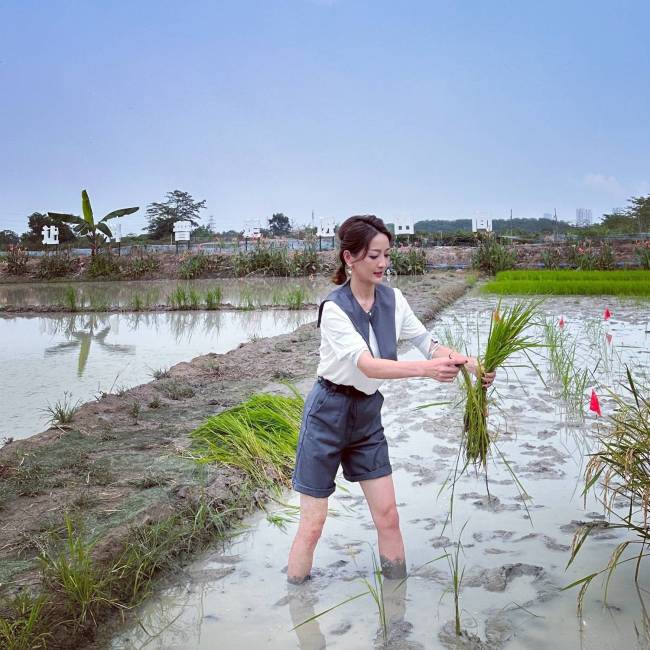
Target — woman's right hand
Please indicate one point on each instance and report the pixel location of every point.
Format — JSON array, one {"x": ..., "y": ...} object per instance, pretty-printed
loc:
[{"x": 444, "y": 369}]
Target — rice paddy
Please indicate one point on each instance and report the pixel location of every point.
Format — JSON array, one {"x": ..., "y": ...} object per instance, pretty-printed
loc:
[{"x": 571, "y": 282}]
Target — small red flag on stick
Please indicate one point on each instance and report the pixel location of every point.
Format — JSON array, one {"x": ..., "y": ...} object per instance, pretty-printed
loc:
[
  {"x": 608, "y": 336},
  {"x": 594, "y": 404},
  {"x": 607, "y": 314},
  {"x": 561, "y": 323}
]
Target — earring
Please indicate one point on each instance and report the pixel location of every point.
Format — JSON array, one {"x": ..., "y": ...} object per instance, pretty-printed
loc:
[{"x": 348, "y": 270}]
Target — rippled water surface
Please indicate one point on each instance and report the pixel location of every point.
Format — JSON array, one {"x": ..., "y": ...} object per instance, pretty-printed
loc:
[{"x": 515, "y": 545}]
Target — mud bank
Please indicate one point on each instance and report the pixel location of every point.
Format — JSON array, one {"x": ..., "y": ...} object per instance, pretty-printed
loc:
[{"x": 120, "y": 465}]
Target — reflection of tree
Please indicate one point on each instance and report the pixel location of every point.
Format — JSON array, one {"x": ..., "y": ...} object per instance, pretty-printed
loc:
[
  {"x": 82, "y": 338},
  {"x": 182, "y": 325}
]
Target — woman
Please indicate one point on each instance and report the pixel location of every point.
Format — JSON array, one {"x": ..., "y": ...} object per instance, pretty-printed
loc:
[{"x": 360, "y": 323}]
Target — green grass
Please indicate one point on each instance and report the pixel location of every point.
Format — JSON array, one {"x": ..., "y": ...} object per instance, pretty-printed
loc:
[
  {"x": 619, "y": 283},
  {"x": 258, "y": 437},
  {"x": 24, "y": 629}
]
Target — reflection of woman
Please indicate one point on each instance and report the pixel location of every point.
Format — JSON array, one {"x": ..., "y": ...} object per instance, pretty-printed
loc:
[{"x": 360, "y": 323}]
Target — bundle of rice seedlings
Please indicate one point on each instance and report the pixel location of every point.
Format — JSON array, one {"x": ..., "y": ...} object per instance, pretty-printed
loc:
[
  {"x": 259, "y": 437},
  {"x": 507, "y": 335}
]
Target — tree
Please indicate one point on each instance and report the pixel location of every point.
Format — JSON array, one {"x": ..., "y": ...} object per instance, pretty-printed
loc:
[
  {"x": 179, "y": 206},
  {"x": 86, "y": 226},
  {"x": 639, "y": 210},
  {"x": 619, "y": 222},
  {"x": 35, "y": 222},
  {"x": 8, "y": 238},
  {"x": 279, "y": 225}
]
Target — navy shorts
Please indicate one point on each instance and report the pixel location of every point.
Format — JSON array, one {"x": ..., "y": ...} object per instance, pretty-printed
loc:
[{"x": 339, "y": 429}]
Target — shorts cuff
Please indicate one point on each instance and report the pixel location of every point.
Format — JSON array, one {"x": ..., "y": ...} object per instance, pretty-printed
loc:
[
  {"x": 319, "y": 493},
  {"x": 384, "y": 470}
]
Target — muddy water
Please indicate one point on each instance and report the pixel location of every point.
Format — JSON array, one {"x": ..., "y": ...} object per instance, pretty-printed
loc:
[
  {"x": 42, "y": 357},
  {"x": 513, "y": 556}
]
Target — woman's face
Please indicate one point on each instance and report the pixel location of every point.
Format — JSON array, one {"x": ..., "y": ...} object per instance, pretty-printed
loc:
[{"x": 370, "y": 268}]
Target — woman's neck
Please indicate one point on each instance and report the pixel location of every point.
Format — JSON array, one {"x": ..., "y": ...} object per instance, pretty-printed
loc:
[{"x": 364, "y": 291}]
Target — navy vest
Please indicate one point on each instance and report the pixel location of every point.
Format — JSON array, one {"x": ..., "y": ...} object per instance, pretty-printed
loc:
[{"x": 381, "y": 317}]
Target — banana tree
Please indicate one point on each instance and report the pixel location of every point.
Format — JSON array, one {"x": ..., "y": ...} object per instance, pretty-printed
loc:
[{"x": 86, "y": 226}]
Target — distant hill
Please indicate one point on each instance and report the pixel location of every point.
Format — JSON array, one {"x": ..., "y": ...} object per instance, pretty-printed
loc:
[{"x": 500, "y": 226}]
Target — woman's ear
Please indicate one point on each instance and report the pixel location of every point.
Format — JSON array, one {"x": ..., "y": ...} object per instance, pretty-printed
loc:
[{"x": 347, "y": 257}]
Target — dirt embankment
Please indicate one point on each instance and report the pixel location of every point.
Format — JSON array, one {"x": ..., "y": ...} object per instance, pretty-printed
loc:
[{"x": 123, "y": 462}]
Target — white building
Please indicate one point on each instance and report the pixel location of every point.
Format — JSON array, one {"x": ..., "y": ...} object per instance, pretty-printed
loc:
[
  {"x": 583, "y": 217},
  {"x": 404, "y": 226}
]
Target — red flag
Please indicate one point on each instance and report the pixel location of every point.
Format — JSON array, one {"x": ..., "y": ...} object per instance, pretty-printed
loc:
[
  {"x": 594, "y": 404},
  {"x": 607, "y": 314},
  {"x": 608, "y": 336},
  {"x": 561, "y": 323}
]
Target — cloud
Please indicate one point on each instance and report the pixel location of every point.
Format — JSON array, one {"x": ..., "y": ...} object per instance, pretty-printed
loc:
[{"x": 604, "y": 183}]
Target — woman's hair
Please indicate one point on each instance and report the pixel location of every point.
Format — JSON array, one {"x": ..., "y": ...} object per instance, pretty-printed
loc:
[{"x": 355, "y": 235}]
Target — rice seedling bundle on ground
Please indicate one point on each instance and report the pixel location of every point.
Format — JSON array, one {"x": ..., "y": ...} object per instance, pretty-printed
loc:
[
  {"x": 507, "y": 335},
  {"x": 258, "y": 437}
]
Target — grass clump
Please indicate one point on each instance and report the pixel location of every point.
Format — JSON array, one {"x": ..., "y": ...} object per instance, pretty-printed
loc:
[
  {"x": 568, "y": 282},
  {"x": 64, "y": 410},
  {"x": 104, "y": 266},
  {"x": 410, "y": 262},
  {"x": 296, "y": 298},
  {"x": 71, "y": 299},
  {"x": 139, "y": 267},
  {"x": 54, "y": 266},
  {"x": 16, "y": 260},
  {"x": 213, "y": 298},
  {"x": 620, "y": 471},
  {"x": 24, "y": 629},
  {"x": 173, "y": 389},
  {"x": 258, "y": 437},
  {"x": 71, "y": 572},
  {"x": 492, "y": 257},
  {"x": 194, "y": 266}
]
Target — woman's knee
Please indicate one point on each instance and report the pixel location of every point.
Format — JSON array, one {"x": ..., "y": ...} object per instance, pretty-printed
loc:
[{"x": 387, "y": 518}]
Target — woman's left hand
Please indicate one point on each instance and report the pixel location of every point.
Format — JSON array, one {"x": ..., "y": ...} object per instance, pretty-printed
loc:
[{"x": 473, "y": 367}]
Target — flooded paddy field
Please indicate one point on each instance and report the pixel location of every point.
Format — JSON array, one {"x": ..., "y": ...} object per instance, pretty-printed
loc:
[
  {"x": 83, "y": 355},
  {"x": 514, "y": 547},
  {"x": 239, "y": 292}
]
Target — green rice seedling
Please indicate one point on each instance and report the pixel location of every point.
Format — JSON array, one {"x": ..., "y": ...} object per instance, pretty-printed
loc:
[
  {"x": 179, "y": 298},
  {"x": 137, "y": 302},
  {"x": 98, "y": 304},
  {"x": 71, "y": 572},
  {"x": 213, "y": 298},
  {"x": 246, "y": 298},
  {"x": 63, "y": 411},
  {"x": 620, "y": 472},
  {"x": 296, "y": 298},
  {"x": 507, "y": 335},
  {"x": 568, "y": 282},
  {"x": 193, "y": 298},
  {"x": 258, "y": 436},
  {"x": 24, "y": 628},
  {"x": 457, "y": 574},
  {"x": 70, "y": 299}
]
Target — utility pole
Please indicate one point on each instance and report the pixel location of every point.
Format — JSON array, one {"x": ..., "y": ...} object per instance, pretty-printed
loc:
[{"x": 555, "y": 231}]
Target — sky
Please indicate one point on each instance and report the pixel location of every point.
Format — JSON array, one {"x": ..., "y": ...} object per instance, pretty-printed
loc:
[{"x": 418, "y": 108}]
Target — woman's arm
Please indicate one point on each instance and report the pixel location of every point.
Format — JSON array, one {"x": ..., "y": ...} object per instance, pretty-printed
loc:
[{"x": 442, "y": 369}]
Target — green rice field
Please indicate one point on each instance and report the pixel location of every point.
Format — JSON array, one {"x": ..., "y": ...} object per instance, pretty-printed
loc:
[{"x": 571, "y": 282}]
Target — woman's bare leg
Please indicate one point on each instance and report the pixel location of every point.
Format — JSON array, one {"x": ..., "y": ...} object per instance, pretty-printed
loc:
[
  {"x": 313, "y": 512},
  {"x": 380, "y": 494}
]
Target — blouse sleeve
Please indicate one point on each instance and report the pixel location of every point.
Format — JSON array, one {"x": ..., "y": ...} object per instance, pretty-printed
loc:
[
  {"x": 413, "y": 329},
  {"x": 337, "y": 329}
]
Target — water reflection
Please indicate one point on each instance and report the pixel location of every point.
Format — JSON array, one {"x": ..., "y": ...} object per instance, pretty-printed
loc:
[
  {"x": 87, "y": 354},
  {"x": 83, "y": 338}
]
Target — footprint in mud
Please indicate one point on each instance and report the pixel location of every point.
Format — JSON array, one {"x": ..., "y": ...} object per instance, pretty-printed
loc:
[
  {"x": 503, "y": 535},
  {"x": 601, "y": 530},
  {"x": 492, "y": 503},
  {"x": 542, "y": 468},
  {"x": 431, "y": 523},
  {"x": 497, "y": 579},
  {"x": 549, "y": 542}
]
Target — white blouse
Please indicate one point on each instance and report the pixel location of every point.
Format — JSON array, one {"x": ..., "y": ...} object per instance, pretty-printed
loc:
[{"x": 341, "y": 345}]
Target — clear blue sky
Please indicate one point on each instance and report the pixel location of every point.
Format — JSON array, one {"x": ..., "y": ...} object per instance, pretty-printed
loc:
[{"x": 422, "y": 108}]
